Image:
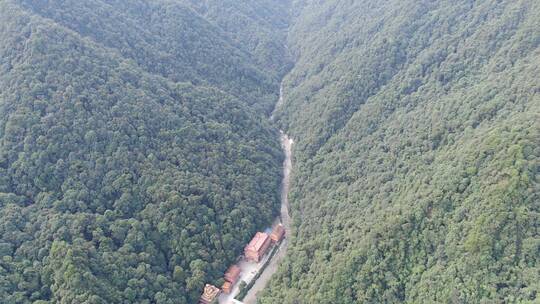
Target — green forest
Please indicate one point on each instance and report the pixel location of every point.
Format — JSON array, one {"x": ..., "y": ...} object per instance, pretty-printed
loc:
[
  {"x": 137, "y": 158},
  {"x": 417, "y": 173}
]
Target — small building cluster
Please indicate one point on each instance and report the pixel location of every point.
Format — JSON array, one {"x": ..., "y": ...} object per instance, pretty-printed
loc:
[{"x": 254, "y": 252}]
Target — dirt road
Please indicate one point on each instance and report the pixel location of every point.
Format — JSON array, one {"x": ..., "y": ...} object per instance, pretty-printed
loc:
[{"x": 251, "y": 297}]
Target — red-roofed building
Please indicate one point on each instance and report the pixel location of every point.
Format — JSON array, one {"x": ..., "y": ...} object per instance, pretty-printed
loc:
[
  {"x": 232, "y": 274},
  {"x": 277, "y": 233},
  {"x": 227, "y": 287},
  {"x": 258, "y": 246}
]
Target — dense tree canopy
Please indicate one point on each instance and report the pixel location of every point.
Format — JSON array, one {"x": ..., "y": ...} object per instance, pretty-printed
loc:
[
  {"x": 136, "y": 157},
  {"x": 171, "y": 39},
  {"x": 259, "y": 28},
  {"x": 417, "y": 152},
  {"x": 135, "y": 160}
]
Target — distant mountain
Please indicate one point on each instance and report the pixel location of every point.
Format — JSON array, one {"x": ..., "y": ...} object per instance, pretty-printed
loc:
[
  {"x": 135, "y": 158},
  {"x": 417, "y": 134}
]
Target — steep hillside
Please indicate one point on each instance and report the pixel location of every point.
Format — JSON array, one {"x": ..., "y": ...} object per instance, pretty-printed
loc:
[
  {"x": 119, "y": 184},
  {"x": 259, "y": 28},
  {"x": 417, "y": 131},
  {"x": 172, "y": 39}
]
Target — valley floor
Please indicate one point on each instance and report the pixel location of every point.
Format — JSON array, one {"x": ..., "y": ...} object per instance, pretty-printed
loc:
[
  {"x": 249, "y": 270},
  {"x": 251, "y": 297}
]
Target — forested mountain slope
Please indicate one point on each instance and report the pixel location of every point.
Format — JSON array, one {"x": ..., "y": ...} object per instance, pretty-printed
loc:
[
  {"x": 260, "y": 28},
  {"x": 175, "y": 40},
  {"x": 416, "y": 128},
  {"x": 118, "y": 182}
]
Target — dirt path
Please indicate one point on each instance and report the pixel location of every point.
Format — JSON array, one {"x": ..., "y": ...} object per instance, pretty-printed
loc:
[{"x": 251, "y": 297}]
